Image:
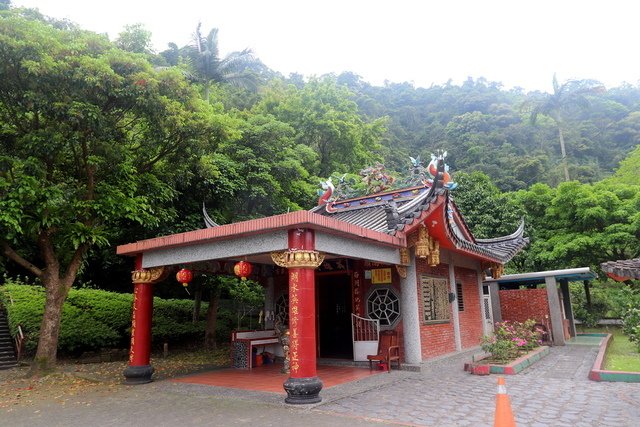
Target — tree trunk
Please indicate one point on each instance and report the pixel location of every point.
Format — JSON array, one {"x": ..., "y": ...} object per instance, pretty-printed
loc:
[
  {"x": 197, "y": 299},
  {"x": 564, "y": 153},
  {"x": 207, "y": 90},
  {"x": 46, "y": 354},
  {"x": 212, "y": 319},
  {"x": 587, "y": 293}
]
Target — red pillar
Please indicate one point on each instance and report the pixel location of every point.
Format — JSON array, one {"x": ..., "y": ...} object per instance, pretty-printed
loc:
[
  {"x": 303, "y": 385},
  {"x": 302, "y": 323},
  {"x": 140, "y": 370}
]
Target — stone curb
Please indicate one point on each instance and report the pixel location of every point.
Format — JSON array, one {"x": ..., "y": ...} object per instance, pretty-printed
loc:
[
  {"x": 599, "y": 374},
  {"x": 517, "y": 365}
]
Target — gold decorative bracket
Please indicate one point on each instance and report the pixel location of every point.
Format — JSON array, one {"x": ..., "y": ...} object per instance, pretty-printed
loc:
[
  {"x": 298, "y": 259},
  {"x": 149, "y": 275},
  {"x": 427, "y": 247}
]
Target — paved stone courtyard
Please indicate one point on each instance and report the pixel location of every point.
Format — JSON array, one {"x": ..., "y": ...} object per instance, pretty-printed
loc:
[{"x": 553, "y": 392}]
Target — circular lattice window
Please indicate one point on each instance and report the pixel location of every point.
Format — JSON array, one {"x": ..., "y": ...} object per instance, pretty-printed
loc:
[
  {"x": 383, "y": 304},
  {"x": 282, "y": 309}
]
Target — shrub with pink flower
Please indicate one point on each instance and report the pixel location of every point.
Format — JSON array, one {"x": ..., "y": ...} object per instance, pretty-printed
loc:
[{"x": 512, "y": 339}]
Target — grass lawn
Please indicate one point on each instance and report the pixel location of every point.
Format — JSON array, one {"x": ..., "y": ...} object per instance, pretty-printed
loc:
[{"x": 622, "y": 355}]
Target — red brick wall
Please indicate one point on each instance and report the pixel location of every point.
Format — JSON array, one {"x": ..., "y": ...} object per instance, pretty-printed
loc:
[
  {"x": 435, "y": 339},
  {"x": 522, "y": 304},
  {"x": 471, "y": 318},
  {"x": 438, "y": 339}
]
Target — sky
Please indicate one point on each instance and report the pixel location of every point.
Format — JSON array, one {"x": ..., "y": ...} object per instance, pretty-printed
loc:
[{"x": 517, "y": 43}]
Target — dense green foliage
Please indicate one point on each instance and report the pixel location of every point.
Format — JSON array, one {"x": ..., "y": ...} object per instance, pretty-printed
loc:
[
  {"x": 488, "y": 129},
  {"x": 94, "y": 319},
  {"x": 631, "y": 325},
  {"x": 580, "y": 224}
]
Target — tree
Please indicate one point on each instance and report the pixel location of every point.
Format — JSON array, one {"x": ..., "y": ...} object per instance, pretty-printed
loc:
[
  {"x": 628, "y": 172},
  {"x": 488, "y": 212},
  {"x": 581, "y": 224},
  {"x": 570, "y": 94},
  {"x": 208, "y": 67},
  {"x": 91, "y": 140},
  {"x": 272, "y": 168},
  {"x": 135, "y": 38},
  {"x": 325, "y": 118}
]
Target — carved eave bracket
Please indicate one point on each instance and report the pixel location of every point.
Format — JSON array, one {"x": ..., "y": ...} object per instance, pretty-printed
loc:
[
  {"x": 404, "y": 256},
  {"x": 497, "y": 269},
  {"x": 149, "y": 275},
  {"x": 404, "y": 262},
  {"x": 298, "y": 259},
  {"x": 402, "y": 271}
]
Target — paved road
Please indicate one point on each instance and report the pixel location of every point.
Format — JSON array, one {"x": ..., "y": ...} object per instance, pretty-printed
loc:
[{"x": 553, "y": 392}]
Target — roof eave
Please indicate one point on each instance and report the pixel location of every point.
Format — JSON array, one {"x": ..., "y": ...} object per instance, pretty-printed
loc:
[{"x": 298, "y": 219}]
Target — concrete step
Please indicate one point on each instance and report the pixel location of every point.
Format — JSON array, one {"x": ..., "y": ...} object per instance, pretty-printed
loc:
[{"x": 8, "y": 365}]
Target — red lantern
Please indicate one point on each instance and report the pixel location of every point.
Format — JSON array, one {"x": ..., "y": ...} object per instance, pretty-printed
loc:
[
  {"x": 184, "y": 276},
  {"x": 242, "y": 269}
]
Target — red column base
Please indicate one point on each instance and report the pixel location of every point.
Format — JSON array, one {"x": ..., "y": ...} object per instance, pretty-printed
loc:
[
  {"x": 134, "y": 375},
  {"x": 303, "y": 391}
]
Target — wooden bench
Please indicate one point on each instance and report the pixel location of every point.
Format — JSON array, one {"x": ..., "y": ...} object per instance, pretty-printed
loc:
[{"x": 243, "y": 342}]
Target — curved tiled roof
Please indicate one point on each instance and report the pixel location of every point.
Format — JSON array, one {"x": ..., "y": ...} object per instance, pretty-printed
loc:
[
  {"x": 392, "y": 212},
  {"x": 500, "y": 248},
  {"x": 385, "y": 212},
  {"x": 623, "y": 268}
]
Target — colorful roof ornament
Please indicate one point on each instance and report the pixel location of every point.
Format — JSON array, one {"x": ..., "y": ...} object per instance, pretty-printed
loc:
[
  {"x": 376, "y": 179},
  {"x": 326, "y": 197},
  {"x": 417, "y": 173},
  {"x": 400, "y": 211},
  {"x": 432, "y": 169}
]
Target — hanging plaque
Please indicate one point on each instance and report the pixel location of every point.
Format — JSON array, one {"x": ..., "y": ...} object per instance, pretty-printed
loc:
[{"x": 380, "y": 276}]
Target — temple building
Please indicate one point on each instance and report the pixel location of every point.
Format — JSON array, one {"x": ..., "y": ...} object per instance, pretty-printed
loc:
[{"x": 401, "y": 260}]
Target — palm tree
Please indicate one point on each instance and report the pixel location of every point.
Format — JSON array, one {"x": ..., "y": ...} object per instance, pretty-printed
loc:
[
  {"x": 570, "y": 93},
  {"x": 207, "y": 67}
]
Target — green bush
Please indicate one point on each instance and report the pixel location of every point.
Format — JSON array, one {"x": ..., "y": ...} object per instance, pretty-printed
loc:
[
  {"x": 80, "y": 331},
  {"x": 26, "y": 310},
  {"x": 631, "y": 325},
  {"x": 588, "y": 315},
  {"x": 621, "y": 297},
  {"x": 511, "y": 339},
  {"x": 110, "y": 308},
  {"x": 94, "y": 319}
]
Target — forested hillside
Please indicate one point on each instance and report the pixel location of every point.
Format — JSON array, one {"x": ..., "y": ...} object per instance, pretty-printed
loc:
[{"x": 489, "y": 129}]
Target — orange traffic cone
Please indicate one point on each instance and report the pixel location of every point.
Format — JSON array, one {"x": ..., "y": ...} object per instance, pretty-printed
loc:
[{"x": 504, "y": 415}]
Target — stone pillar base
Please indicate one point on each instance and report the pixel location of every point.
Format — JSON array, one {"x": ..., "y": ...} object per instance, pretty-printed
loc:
[
  {"x": 303, "y": 391},
  {"x": 138, "y": 374}
]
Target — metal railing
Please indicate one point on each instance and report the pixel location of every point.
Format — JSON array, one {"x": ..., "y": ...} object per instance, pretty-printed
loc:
[{"x": 19, "y": 338}]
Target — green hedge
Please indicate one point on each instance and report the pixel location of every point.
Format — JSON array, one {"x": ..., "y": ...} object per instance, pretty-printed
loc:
[{"x": 94, "y": 319}]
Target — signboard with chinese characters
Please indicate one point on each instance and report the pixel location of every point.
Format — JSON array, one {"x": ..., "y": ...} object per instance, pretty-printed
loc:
[
  {"x": 380, "y": 276},
  {"x": 332, "y": 265}
]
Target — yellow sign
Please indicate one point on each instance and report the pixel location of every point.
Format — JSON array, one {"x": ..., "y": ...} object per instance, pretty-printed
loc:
[{"x": 380, "y": 275}]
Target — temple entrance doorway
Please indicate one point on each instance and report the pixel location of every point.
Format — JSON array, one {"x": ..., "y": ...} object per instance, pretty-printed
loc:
[{"x": 334, "y": 316}]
